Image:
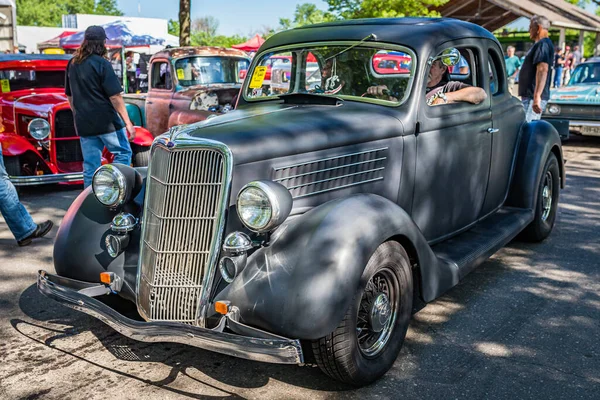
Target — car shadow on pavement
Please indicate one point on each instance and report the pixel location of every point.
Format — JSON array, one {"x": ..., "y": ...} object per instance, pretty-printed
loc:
[{"x": 182, "y": 360}]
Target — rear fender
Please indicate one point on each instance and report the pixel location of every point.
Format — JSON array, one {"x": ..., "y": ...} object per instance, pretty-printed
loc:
[
  {"x": 538, "y": 139},
  {"x": 302, "y": 284},
  {"x": 135, "y": 114}
]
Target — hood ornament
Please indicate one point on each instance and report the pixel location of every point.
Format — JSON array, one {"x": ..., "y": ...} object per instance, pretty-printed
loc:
[{"x": 172, "y": 133}]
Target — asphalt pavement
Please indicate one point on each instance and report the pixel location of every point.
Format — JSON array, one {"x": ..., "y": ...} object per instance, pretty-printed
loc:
[{"x": 523, "y": 325}]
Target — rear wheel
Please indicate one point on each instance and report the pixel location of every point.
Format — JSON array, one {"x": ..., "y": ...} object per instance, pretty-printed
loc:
[
  {"x": 367, "y": 342},
  {"x": 547, "y": 203}
]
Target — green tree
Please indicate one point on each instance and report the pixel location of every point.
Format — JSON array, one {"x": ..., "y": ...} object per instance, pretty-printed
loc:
[
  {"x": 210, "y": 25},
  {"x": 350, "y": 9},
  {"x": 173, "y": 27},
  {"x": 49, "y": 12}
]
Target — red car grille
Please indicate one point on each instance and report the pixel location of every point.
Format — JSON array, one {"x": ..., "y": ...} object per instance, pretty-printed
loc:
[{"x": 67, "y": 151}]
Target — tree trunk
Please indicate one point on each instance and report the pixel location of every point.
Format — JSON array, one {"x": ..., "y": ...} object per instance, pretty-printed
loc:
[{"x": 184, "y": 22}]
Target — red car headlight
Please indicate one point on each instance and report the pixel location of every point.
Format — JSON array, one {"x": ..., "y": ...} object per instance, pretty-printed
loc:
[{"x": 39, "y": 129}]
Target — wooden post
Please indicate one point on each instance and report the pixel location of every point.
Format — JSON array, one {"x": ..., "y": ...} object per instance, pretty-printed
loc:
[
  {"x": 597, "y": 44},
  {"x": 561, "y": 39},
  {"x": 581, "y": 41}
]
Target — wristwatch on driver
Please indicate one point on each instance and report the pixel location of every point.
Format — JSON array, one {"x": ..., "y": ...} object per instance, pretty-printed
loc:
[{"x": 442, "y": 96}]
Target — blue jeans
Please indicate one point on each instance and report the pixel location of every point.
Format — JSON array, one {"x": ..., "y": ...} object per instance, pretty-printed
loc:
[
  {"x": 528, "y": 106},
  {"x": 558, "y": 73},
  {"x": 92, "y": 146},
  {"x": 16, "y": 216}
]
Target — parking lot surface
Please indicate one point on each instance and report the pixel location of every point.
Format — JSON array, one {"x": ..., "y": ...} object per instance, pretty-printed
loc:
[{"x": 525, "y": 324}]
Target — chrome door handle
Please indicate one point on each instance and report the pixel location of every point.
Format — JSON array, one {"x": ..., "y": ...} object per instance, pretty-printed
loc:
[{"x": 493, "y": 130}]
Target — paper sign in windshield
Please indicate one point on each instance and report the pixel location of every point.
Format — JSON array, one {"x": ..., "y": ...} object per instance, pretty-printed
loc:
[
  {"x": 180, "y": 74},
  {"x": 5, "y": 85},
  {"x": 258, "y": 77}
]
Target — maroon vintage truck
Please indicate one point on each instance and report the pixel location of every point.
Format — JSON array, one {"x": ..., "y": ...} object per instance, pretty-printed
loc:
[
  {"x": 37, "y": 132},
  {"x": 186, "y": 85}
]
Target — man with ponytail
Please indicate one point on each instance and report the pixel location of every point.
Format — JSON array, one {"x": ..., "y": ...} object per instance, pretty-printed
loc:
[{"x": 94, "y": 93}]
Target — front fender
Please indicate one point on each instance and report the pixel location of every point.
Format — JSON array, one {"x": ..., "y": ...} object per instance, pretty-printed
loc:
[
  {"x": 143, "y": 137},
  {"x": 184, "y": 117},
  {"x": 79, "y": 249},
  {"x": 15, "y": 145},
  {"x": 538, "y": 139},
  {"x": 301, "y": 285}
]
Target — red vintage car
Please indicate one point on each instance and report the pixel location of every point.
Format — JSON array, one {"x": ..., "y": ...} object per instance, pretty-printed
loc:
[
  {"x": 391, "y": 63},
  {"x": 273, "y": 61},
  {"x": 37, "y": 133}
]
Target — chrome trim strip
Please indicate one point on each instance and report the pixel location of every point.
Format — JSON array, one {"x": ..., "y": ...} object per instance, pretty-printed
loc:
[
  {"x": 330, "y": 169},
  {"x": 45, "y": 179},
  {"x": 336, "y": 178},
  {"x": 273, "y": 350},
  {"x": 332, "y": 158},
  {"x": 339, "y": 187},
  {"x": 578, "y": 123}
]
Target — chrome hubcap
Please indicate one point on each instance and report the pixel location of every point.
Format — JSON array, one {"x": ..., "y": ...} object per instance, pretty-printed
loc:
[
  {"x": 380, "y": 313},
  {"x": 377, "y": 313},
  {"x": 547, "y": 196}
]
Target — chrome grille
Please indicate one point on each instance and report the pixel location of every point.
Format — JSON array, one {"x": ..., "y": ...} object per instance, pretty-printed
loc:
[{"x": 182, "y": 221}]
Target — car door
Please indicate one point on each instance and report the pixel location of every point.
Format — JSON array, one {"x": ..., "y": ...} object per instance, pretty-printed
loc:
[
  {"x": 453, "y": 154},
  {"x": 507, "y": 118},
  {"x": 158, "y": 102}
]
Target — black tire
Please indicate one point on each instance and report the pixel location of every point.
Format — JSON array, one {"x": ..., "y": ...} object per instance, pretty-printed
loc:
[
  {"x": 141, "y": 156},
  {"x": 545, "y": 214},
  {"x": 13, "y": 168},
  {"x": 12, "y": 165},
  {"x": 339, "y": 354}
]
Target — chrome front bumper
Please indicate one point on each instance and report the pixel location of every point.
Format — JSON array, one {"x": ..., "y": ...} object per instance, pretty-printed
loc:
[
  {"x": 32, "y": 180},
  {"x": 268, "y": 348}
]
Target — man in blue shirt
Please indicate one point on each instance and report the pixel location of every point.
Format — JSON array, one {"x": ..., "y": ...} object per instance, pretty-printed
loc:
[{"x": 94, "y": 93}]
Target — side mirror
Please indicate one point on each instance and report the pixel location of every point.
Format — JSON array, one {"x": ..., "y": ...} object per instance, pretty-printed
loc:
[{"x": 449, "y": 57}]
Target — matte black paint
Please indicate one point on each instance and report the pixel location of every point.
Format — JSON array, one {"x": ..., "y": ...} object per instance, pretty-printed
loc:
[
  {"x": 301, "y": 284},
  {"x": 439, "y": 181}
]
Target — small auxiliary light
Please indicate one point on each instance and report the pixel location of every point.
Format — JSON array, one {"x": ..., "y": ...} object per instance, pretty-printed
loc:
[{"x": 222, "y": 307}]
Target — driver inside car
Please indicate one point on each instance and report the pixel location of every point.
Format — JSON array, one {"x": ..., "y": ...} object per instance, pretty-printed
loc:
[{"x": 440, "y": 90}]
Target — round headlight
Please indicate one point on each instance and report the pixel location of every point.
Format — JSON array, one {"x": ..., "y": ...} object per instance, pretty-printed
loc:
[
  {"x": 554, "y": 109},
  {"x": 109, "y": 185},
  {"x": 263, "y": 205},
  {"x": 39, "y": 129}
]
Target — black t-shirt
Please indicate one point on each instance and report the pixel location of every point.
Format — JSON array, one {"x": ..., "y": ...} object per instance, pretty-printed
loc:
[
  {"x": 541, "y": 52},
  {"x": 91, "y": 84}
]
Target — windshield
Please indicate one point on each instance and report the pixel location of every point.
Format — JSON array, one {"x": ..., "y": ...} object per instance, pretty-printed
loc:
[
  {"x": 205, "y": 70},
  {"x": 29, "y": 79},
  {"x": 588, "y": 73},
  {"x": 338, "y": 70}
]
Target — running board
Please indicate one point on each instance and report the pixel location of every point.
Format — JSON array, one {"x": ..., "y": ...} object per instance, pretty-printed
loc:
[{"x": 469, "y": 249}]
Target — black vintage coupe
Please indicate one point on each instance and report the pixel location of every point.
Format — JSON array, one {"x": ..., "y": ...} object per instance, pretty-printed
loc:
[{"x": 300, "y": 227}]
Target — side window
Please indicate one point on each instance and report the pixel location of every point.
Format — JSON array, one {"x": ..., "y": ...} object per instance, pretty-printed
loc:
[
  {"x": 443, "y": 79},
  {"x": 496, "y": 73},
  {"x": 161, "y": 76}
]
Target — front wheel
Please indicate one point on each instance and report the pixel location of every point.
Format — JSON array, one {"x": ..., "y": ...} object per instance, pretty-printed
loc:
[
  {"x": 547, "y": 203},
  {"x": 367, "y": 342}
]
